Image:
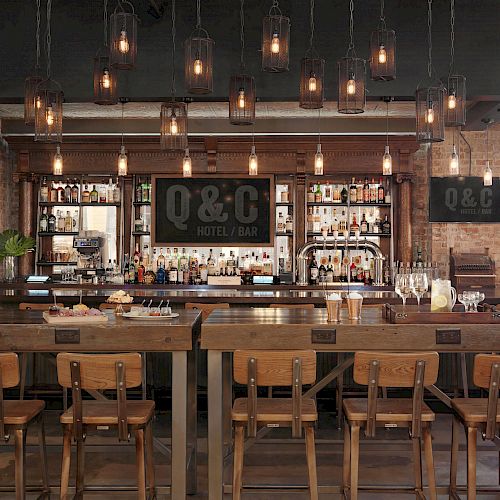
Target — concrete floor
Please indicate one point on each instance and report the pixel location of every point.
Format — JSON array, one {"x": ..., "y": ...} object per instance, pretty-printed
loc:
[{"x": 387, "y": 459}]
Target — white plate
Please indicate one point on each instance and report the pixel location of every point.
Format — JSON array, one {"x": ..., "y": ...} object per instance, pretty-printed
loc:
[{"x": 149, "y": 318}]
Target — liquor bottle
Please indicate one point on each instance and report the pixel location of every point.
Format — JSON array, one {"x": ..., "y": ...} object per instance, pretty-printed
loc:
[
  {"x": 359, "y": 191},
  {"x": 94, "y": 195},
  {"x": 336, "y": 268},
  {"x": 289, "y": 224},
  {"x": 132, "y": 272},
  {"x": 316, "y": 221},
  {"x": 328, "y": 192},
  {"x": 231, "y": 264},
  {"x": 116, "y": 192},
  {"x": 203, "y": 270},
  {"x": 335, "y": 221},
  {"x": 373, "y": 192},
  {"x": 154, "y": 261},
  {"x": 138, "y": 190},
  {"x": 285, "y": 195},
  {"x": 353, "y": 271},
  {"x": 310, "y": 219},
  {"x": 344, "y": 269},
  {"x": 60, "y": 222},
  {"x": 137, "y": 256},
  {"x": 75, "y": 221},
  {"x": 184, "y": 266},
  {"x": 44, "y": 191},
  {"x": 53, "y": 193},
  {"x": 313, "y": 271},
  {"x": 44, "y": 221},
  {"x": 344, "y": 194},
  {"x": 173, "y": 273},
  {"x": 364, "y": 224},
  {"x": 160, "y": 275},
  {"x": 126, "y": 270},
  {"x": 102, "y": 194},
  {"x": 387, "y": 192},
  {"x": 193, "y": 267},
  {"x": 175, "y": 260},
  {"x": 281, "y": 261},
  {"x": 68, "y": 223},
  {"x": 267, "y": 265},
  {"x": 145, "y": 256},
  {"x": 150, "y": 276},
  {"x": 221, "y": 265},
  {"x": 354, "y": 224},
  {"x": 310, "y": 195},
  {"x": 366, "y": 191},
  {"x": 109, "y": 272},
  {"x": 360, "y": 271},
  {"x": 288, "y": 263},
  {"x": 318, "y": 195},
  {"x": 381, "y": 194},
  {"x": 211, "y": 264},
  {"x": 337, "y": 198},
  {"x": 51, "y": 223},
  {"x": 322, "y": 270},
  {"x": 168, "y": 261},
  {"x": 329, "y": 270},
  {"x": 67, "y": 192},
  {"x": 376, "y": 226},
  {"x": 353, "y": 191},
  {"x": 325, "y": 223},
  {"x": 386, "y": 226},
  {"x": 343, "y": 222},
  {"x": 161, "y": 259},
  {"x": 145, "y": 191},
  {"x": 141, "y": 271},
  {"x": 280, "y": 223},
  {"x": 367, "y": 272},
  {"x": 74, "y": 192},
  {"x": 86, "y": 195},
  {"x": 109, "y": 191}
]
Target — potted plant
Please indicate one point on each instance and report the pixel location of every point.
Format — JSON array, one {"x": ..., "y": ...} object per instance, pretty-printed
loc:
[{"x": 13, "y": 244}]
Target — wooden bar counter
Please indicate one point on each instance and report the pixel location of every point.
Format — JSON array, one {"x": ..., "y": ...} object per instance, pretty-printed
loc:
[{"x": 227, "y": 330}]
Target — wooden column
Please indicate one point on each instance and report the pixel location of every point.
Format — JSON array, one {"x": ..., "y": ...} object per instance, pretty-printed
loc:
[
  {"x": 27, "y": 219},
  {"x": 404, "y": 250},
  {"x": 300, "y": 200}
]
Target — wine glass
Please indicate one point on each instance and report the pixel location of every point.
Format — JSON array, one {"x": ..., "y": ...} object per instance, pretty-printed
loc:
[
  {"x": 402, "y": 286},
  {"x": 463, "y": 300},
  {"x": 419, "y": 285}
]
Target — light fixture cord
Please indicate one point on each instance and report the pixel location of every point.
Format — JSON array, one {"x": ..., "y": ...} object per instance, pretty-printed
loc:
[
  {"x": 48, "y": 36},
  {"x": 242, "y": 33},
  {"x": 488, "y": 142},
  {"x": 429, "y": 37},
  {"x": 382, "y": 15},
  {"x": 311, "y": 21},
  {"x": 173, "y": 50},
  {"x": 123, "y": 122},
  {"x": 351, "y": 29},
  {"x": 319, "y": 125},
  {"x": 198, "y": 15},
  {"x": 387, "y": 124},
  {"x": 105, "y": 19},
  {"x": 452, "y": 35},
  {"x": 37, "y": 34}
]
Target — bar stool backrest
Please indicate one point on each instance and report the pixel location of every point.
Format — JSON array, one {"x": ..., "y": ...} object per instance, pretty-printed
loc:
[
  {"x": 206, "y": 309},
  {"x": 9, "y": 377},
  {"x": 34, "y": 306},
  {"x": 487, "y": 376}
]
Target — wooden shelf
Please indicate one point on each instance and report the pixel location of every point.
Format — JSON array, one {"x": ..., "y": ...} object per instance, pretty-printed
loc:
[
  {"x": 58, "y": 233},
  {"x": 57, "y": 204},
  {"x": 283, "y": 204},
  {"x": 361, "y": 235},
  {"x": 97, "y": 204},
  {"x": 351, "y": 205},
  {"x": 141, "y": 233},
  {"x": 141, "y": 203},
  {"x": 284, "y": 234},
  {"x": 48, "y": 264}
]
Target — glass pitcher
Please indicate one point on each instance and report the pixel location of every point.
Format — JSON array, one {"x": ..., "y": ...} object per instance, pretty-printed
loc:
[{"x": 443, "y": 296}]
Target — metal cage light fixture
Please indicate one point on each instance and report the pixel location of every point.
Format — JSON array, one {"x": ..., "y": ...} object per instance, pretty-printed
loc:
[
  {"x": 198, "y": 59},
  {"x": 275, "y": 40},
  {"x": 173, "y": 114},
  {"x": 456, "y": 89},
  {"x": 352, "y": 76},
  {"x": 312, "y": 73},
  {"x": 383, "y": 50},
  {"x": 32, "y": 81},
  {"x": 104, "y": 74},
  {"x": 242, "y": 86},
  {"x": 123, "y": 36},
  {"x": 49, "y": 99},
  {"x": 430, "y": 113}
]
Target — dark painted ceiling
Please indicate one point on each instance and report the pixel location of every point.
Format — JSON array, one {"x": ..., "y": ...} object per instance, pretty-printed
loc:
[{"x": 77, "y": 33}]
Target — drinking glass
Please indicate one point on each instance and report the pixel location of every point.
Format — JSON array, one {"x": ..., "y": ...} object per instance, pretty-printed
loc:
[
  {"x": 402, "y": 286},
  {"x": 419, "y": 285},
  {"x": 463, "y": 300}
]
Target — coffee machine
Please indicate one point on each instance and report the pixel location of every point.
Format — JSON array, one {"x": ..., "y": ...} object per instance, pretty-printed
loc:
[{"x": 89, "y": 261}]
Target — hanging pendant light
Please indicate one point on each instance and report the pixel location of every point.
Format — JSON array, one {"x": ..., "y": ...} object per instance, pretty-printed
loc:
[
  {"x": 122, "y": 157},
  {"x": 173, "y": 114},
  {"x": 352, "y": 76},
  {"x": 123, "y": 36},
  {"x": 430, "y": 99},
  {"x": 242, "y": 87},
  {"x": 456, "y": 90},
  {"x": 275, "y": 40},
  {"x": 198, "y": 59},
  {"x": 48, "y": 99},
  {"x": 487, "y": 173},
  {"x": 57, "y": 163},
  {"x": 383, "y": 51},
  {"x": 454, "y": 162},
  {"x": 104, "y": 73},
  {"x": 312, "y": 73},
  {"x": 387, "y": 158},
  {"x": 31, "y": 83},
  {"x": 187, "y": 167},
  {"x": 318, "y": 157}
]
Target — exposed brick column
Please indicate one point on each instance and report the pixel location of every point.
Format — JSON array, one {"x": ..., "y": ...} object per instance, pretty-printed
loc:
[
  {"x": 27, "y": 216},
  {"x": 404, "y": 251}
]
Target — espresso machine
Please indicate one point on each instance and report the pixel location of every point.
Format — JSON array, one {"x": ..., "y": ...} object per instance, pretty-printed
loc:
[{"x": 89, "y": 259}]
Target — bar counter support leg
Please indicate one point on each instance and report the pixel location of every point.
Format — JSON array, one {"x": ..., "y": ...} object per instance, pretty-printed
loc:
[
  {"x": 179, "y": 424},
  {"x": 227, "y": 401},
  {"x": 215, "y": 442},
  {"x": 192, "y": 419}
]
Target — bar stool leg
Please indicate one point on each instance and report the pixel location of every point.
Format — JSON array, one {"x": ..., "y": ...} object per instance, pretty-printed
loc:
[
  {"x": 139, "y": 454},
  {"x": 346, "y": 469},
  {"x": 429, "y": 460},
  {"x": 354, "y": 461},
  {"x": 80, "y": 468},
  {"x": 417, "y": 466},
  {"x": 239, "y": 443},
  {"x": 150, "y": 468},
  {"x": 471, "y": 462},
  {"x": 20, "y": 460},
  {"x": 66, "y": 462},
  {"x": 311, "y": 462},
  {"x": 454, "y": 457},
  {"x": 43, "y": 455},
  {"x": 24, "y": 369},
  {"x": 340, "y": 391}
]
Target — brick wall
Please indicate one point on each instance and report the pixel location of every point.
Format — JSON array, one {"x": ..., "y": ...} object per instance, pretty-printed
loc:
[{"x": 438, "y": 238}]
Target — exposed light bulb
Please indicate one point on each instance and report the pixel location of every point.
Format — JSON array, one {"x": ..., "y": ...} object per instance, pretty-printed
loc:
[
  {"x": 429, "y": 114},
  {"x": 454, "y": 166},
  {"x": 253, "y": 163},
  {"x": 198, "y": 66},
  {"x": 387, "y": 162},
  {"x": 122, "y": 162},
  {"x": 351, "y": 86},
  {"x": 382, "y": 55},
  {"x": 241, "y": 98},
  {"x": 318, "y": 161},
  {"x": 123, "y": 45},
  {"x": 487, "y": 175},
  {"x": 50, "y": 116},
  {"x": 187, "y": 169},
  {"x": 275, "y": 44},
  {"x": 106, "y": 79},
  {"x": 57, "y": 166},
  {"x": 174, "y": 128},
  {"x": 452, "y": 101},
  {"x": 38, "y": 102},
  {"x": 312, "y": 84}
]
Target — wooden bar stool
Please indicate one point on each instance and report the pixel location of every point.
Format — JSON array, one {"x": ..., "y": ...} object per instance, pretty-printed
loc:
[
  {"x": 281, "y": 368},
  {"x": 206, "y": 309},
  {"x": 15, "y": 418},
  {"x": 476, "y": 414},
  {"x": 380, "y": 369},
  {"x": 105, "y": 371}
]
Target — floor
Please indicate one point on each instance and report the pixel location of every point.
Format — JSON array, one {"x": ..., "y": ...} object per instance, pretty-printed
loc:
[{"x": 387, "y": 459}]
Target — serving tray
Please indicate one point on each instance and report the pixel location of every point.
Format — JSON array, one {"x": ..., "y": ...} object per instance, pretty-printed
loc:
[{"x": 70, "y": 320}]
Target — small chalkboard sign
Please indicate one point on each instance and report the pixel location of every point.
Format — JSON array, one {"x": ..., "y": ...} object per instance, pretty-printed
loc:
[
  {"x": 464, "y": 199},
  {"x": 216, "y": 211}
]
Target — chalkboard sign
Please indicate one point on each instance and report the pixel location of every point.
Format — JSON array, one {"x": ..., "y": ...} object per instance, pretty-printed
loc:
[
  {"x": 464, "y": 199},
  {"x": 215, "y": 211}
]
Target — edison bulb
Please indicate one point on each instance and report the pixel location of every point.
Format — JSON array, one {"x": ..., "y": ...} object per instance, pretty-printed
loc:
[
  {"x": 487, "y": 175},
  {"x": 275, "y": 44},
  {"x": 387, "y": 162},
  {"x": 452, "y": 101},
  {"x": 313, "y": 84},
  {"x": 122, "y": 162},
  {"x": 454, "y": 170},
  {"x": 50, "y": 116},
  {"x": 38, "y": 102},
  {"x": 187, "y": 170},
  {"x": 198, "y": 67},
  {"x": 318, "y": 161},
  {"x": 174, "y": 128},
  {"x": 253, "y": 163},
  {"x": 57, "y": 166},
  {"x": 241, "y": 98},
  {"x": 351, "y": 87},
  {"x": 382, "y": 55},
  {"x": 429, "y": 114},
  {"x": 106, "y": 79},
  {"x": 123, "y": 45}
]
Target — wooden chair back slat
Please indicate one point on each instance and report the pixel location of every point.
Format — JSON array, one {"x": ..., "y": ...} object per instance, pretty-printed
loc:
[
  {"x": 482, "y": 369},
  {"x": 9, "y": 365},
  {"x": 98, "y": 371},
  {"x": 32, "y": 306},
  {"x": 206, "y": 309},
  {"x": 274, "y": 367},
  {"x": 291, "y": 306},
  {"x": 395, "y": 369}
]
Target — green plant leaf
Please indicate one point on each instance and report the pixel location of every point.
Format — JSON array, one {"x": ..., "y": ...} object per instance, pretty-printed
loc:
[{"x": 13, "y": 243}]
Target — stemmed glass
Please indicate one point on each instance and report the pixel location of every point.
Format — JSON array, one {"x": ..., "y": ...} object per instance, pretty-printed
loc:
[
  {"x": 402, "y": 286},
  {"x": 419, "y": 285},
  {"x": 463, "y": 299}
]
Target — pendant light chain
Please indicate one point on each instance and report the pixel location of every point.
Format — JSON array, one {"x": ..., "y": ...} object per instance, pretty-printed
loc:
[
  {"x": 37, "y": 34},
  {"x": 429, "y": 37},
  {"x": 48, "y": 35},
  {"x": 452, "y": 35},
  {"x": 105, "y": 19},
  {"x": 242, "y": 33},
  {"x": 173, "y": 50},
  {"x": 351, "y": 28},
  {"x": 198, "y": 15},
  {"x": 382, "y": 24},
  {"x": 311, "y": 24}
]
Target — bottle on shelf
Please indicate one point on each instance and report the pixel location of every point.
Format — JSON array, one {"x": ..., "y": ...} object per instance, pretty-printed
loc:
[
  {"x": 354, "y": 225},
  {"x": 387, "y": 195},
  {"x": 313, "y": 271},
  {"x": 322, "y": 270},
  {"x": 132, "y": 269},
  {"x": 74, "y": 192},
  {"x": 138, "y": 191},
  {"x": 364, "y": 224},
  {"x": 325, "y": 223},
  {"x": 381, "y": 193},
  {"x": 267, "y": 265},
  {"x": 137, "y": 256},
  {"x": 366, "y": 191},
  {"x": 160, "y": 275},
  {"x": 67, "y": 192},
  {"x": 141, "y": 271},
  {"x": 126, "y": 270},
  {"x": 103, "y": 194},
  {"x": 116, "y": 192},
  {"x": 211, "y": 264},
  {"x": 94, "y": 195},
  {"x": 284, "y": 195},
  {"x": 68, "y": 222},
  {"x": 344, "y": 195},
  {"x": 335, "y": 221},
  {"x": 353, "y": 191},
  {"x": 328, "y": 192},
  {"x": 353, "y": 270},
  {"x": 310, "y": 195},
  {"x": 337, "y": 198},
  {"x": 173, "y": 275},
  {"x": 310, "y": 220},
  {"x": 149, "y": 276},
  {"x": 316, "y": 220},
  {"x": 161, "y": 259},
  {"x": 51, "y": 223},
  {"x": 109, "y": 191},
  {"x": 145, "y": 191},
  {"x": 86, "y": 195},
  {"x": 44, "y": 191},
  {"x": 44, "y": 221},
  {"x": 203, "y": 269},
  {"x": 60, "y": 194},
  {"x": 193, "y": 267},
  {"x": 281, "y": 261},
  {"x": 386, "y": 226},
  {"x": 60, "y": 222},
  {"x": 318, "y": 195},
  {"x": 343, "y": 222},
  {"x": 359, "y": 191},
  {"x": 329, "y": 270},
  {"x": 289, "y": 224},
  {"x": 280, "y": 223},
  {"x": 377, "y": 225},
  {"x": 373, "y": 192}
]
